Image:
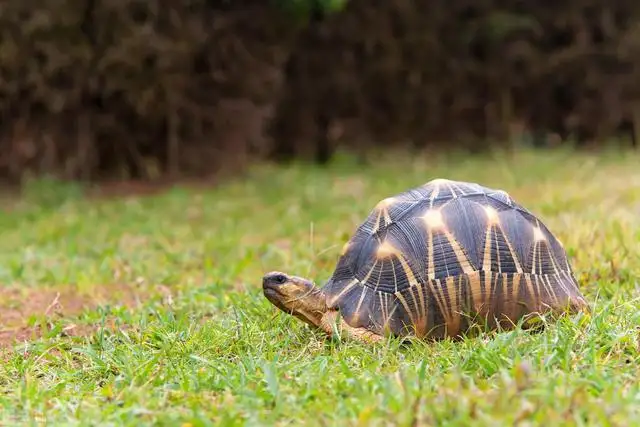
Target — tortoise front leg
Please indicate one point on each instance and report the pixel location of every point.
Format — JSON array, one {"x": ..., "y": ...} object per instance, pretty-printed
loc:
[{"x": 329, "y": 319}]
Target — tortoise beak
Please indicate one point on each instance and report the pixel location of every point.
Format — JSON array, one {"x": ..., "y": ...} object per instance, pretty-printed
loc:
[
  {"x": 271, "y": 286},
  {"x": 269, "y": 289}
]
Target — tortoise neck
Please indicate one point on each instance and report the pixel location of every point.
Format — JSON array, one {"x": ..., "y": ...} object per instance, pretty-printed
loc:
[{"x": 311, "y": 306}]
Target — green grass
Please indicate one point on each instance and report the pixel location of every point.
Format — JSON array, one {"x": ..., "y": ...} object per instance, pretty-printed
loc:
[{"x": 217, "y": 353}]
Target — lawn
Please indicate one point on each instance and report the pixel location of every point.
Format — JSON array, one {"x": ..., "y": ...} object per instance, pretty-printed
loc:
[{"x": 148, "y": 310}]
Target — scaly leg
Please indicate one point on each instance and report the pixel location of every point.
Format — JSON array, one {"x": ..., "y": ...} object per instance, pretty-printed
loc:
[{"x": 360, "y": 334}]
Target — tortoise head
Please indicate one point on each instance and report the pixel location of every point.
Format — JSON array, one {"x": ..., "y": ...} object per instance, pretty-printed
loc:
[{"x": 295, "y": 295}]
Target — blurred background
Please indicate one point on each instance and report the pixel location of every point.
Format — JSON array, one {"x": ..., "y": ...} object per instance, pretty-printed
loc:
[
  {"x": 160, "y": 89},
  {"x": 304, "y": 114}
]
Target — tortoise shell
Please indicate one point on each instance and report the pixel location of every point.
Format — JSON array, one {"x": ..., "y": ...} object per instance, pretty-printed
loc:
[{"x": 434, "y": 259}]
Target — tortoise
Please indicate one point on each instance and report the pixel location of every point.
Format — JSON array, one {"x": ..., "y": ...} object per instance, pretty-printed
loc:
[{"x": 433, "y": 261}]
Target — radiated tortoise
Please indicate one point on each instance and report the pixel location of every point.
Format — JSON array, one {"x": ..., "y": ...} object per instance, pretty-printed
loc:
[{"x": 431, "y": 262}]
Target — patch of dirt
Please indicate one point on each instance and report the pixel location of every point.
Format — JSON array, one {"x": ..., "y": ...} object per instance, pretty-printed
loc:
[
  {"x": 19, "y": 306},
  {"x": 29, "y": 333}
]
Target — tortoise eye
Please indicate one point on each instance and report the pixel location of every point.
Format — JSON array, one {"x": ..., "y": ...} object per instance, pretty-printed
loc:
[{"x": 279, "y": 279}]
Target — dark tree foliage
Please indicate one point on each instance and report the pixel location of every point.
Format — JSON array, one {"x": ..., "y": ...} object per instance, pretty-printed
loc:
[
  {"x": 99, "y": 88},
  {"x": 465, "y": 73},
  {"x": 91, "y": 89}
]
